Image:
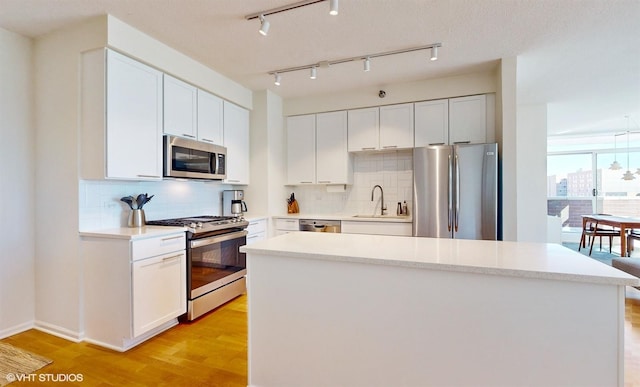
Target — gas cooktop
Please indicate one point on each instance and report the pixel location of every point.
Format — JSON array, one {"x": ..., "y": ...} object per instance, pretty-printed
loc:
[{"x": 205, "y": 223}]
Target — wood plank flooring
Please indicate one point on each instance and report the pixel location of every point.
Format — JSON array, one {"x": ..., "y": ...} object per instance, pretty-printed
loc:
[{"x": 210, "y": 352}]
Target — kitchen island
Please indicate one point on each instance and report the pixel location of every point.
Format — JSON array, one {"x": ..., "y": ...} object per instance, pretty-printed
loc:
[{"x": 338, "y": 309}]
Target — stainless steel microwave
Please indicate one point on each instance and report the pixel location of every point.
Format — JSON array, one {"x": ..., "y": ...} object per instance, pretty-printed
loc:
[{"x": 191, "y": 159}]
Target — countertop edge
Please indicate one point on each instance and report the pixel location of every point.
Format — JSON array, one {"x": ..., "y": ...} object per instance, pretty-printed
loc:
[
  {"x": 603, "y": 280},
  {"x": 131, "y": 233},
  {"x": 617, "y": 277}
]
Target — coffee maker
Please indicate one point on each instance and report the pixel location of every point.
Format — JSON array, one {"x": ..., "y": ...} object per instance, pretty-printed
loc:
[{"x": 233, "y": 203}]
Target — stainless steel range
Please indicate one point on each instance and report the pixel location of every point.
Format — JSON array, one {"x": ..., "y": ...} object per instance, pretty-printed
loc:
[{"x": 216, "y": 268}]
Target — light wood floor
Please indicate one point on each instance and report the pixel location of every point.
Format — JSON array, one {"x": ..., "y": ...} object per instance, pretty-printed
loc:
[{"x": 210, "y": 352}]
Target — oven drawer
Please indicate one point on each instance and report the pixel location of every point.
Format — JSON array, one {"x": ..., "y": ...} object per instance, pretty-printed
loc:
[{"x": 152, "y": 247}]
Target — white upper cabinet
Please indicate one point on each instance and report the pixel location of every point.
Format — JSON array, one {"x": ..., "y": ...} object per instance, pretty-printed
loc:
[
  {"x": 364, "y": 129},
  {"x": 180, "y": 108},
  {"x": 468, "y": 120},
  {"x": 121, "y": 133},
  {"x": 432, "y": 123},
  {"x": 301, "y": 149},
  {"x": 396, "y": 126},
  {"x": 210, "y": 118},
  {"x": 236, "y": 140},
  {"x": 334, "y": 165},
  {"x": 386, "y": 127},
  {"x": 317, "y": 149}
]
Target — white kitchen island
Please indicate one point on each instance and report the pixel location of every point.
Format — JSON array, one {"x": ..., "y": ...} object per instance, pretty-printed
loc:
[{"x": 359, "y": 310}]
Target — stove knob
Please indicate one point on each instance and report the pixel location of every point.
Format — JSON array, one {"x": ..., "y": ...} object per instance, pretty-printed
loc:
[
  {"x": 192, "y": 225},
  {"x": 199, "y": 224}
]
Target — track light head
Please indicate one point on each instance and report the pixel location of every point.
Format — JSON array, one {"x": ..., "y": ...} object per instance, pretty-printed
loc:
[
  {"x": 367, "y": 64},
  {"x": 264, "y": 26},
  {"x": 277, "y": 79},
  {"x": 314, "y": 73},
  {"x": 333, "y": 7},
  {"x": 434, "y": 53}
]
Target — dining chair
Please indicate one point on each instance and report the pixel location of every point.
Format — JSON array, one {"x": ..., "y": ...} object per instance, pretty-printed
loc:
[
  {"x": 633, "y": 235},
  {"x": 592, "y": 230}
]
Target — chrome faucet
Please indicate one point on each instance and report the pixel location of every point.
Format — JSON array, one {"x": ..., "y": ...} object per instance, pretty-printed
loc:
[{"x": 382, "y": 207}]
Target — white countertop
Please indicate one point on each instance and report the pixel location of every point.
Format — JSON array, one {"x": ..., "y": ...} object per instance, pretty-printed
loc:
[
  {"x": 348, "y": 217},
  {"x": 517, "y": 259},
  {"x": 133, "y": 233}
]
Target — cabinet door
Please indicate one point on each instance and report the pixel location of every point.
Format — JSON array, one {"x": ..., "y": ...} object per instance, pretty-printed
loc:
[
  {"x": 134, "y": 119},
  {"x": 236, "y": 140},
  {"x": 364, "y": 129},
  {"x": 159, "y": 290},
  {"x": 210, "y": 122},
  {"x": 332, "y": 155},
  {"x": 468, "y": 120},
  {"x": 396, "y": 126},
  {"x": 432, "y": 123},
  {"x": 180, "y": 99},
  {"x": 301, "y": 149}
]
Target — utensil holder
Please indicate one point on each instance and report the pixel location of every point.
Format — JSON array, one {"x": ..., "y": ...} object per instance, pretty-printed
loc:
[{"x": 136, "y": 218}]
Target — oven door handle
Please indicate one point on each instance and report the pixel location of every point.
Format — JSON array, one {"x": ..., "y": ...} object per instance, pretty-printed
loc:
[{"x": 217, "y": 239}]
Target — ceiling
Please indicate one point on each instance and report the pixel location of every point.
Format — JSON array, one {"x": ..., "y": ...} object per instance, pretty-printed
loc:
[{"x": 581, "y": 57}]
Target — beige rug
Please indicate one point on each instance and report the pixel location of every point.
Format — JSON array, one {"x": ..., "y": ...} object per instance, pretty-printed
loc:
[{"x": 15, "y": 361}]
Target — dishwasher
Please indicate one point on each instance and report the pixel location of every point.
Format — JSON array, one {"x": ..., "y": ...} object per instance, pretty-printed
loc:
[{"x": 315, "y": 225}]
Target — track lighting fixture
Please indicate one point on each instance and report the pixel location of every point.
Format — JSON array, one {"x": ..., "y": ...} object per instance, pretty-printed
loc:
[
  {"x": 365, "y": 58},
  {"x": 333, "y": 7},
  {"x": 264, "y": 26},
  {"x": 277, "y": 79}
]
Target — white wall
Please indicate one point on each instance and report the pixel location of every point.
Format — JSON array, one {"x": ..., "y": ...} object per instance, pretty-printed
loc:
[
  {"x": 509, "y": 149},
  {"x": 17, "y": 184},
  {"x": 58, "y": 266},
  {"x": 266, "y": 193},
  {"x": 532, "y": 179}
]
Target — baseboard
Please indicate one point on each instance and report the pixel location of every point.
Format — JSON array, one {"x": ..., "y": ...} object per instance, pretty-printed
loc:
[
  {"x": 58, "y": 331},
  {"x": 14, "y": 330}
]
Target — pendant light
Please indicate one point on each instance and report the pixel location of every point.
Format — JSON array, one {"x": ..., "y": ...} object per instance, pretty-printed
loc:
[
  {"x": 628, "y": 175},
  {"x": 615, "y": 165}
]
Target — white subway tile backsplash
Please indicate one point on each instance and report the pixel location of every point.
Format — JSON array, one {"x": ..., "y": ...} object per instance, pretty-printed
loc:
[
  {"x": 392, "y": 170},
  {"x": 100, "y": 205}
]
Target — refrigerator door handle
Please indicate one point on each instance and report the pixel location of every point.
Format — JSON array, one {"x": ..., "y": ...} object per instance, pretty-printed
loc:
[
  {"x": 450, "y": 195},
  {"x": 457, "y": 193}
]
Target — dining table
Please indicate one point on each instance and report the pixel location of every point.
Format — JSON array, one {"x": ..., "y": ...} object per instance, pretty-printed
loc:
[{"x": 622, "y": 223}]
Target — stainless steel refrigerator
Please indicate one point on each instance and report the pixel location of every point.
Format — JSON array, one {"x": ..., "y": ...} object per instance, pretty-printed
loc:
[{"x": 456, "y": 191}]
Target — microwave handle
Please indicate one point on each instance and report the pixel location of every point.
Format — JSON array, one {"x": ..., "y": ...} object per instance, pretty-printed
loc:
[{"x": 213, "y": 162}]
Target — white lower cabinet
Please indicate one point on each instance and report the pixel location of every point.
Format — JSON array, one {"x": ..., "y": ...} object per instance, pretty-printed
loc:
[
  {"x": 377, "y": 228},
  {"x": 257, "y": 230},
  {"x": 159, "y": 291},
  {"x": 284, "y": 226},
  {"x": 133, "y": 288}
]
